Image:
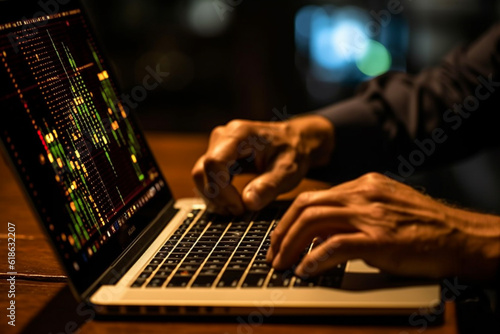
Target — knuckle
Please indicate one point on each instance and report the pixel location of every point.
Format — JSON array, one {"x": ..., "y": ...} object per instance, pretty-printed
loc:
[
  {"x": 211, "y": 161},
  {"x": 197, "y": 169},
  {"x": 287, "y": 167},
  {"x": 304, "y": 199},
  {"x": 276, "y": 235},
  {"x": 218, "y": 130},
  {"x": 369, "y": 191},
  {"x": 266, "y": 185},
  {"x": 371, "y": 185},
  {"x": 378, "y": 211},
  {"x": 237, "y": 125},
  {"x": 195, "y": 172},
  {"x": 373, "y": 177},
  {"x": 309, "y": 215},
  {"x": 336, "y": 244}
]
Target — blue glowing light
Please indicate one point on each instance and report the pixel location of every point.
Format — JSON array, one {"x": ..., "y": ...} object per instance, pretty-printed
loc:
[{"x": 337, "y": 45}]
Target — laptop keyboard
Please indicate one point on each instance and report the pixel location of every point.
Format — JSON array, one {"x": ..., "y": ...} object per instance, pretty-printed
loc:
[{"x": 221, "y": 252}]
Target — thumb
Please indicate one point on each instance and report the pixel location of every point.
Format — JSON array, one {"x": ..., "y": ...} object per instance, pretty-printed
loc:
[{"x": 284, "y": 175}]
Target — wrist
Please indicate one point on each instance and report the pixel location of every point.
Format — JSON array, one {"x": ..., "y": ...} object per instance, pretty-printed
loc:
[
  {"x": 480, "y": 252},
  {"x": 315, "y": 134}
]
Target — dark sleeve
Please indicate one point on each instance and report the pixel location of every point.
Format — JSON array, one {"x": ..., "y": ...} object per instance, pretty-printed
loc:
[{"x": 398, "y": 122}]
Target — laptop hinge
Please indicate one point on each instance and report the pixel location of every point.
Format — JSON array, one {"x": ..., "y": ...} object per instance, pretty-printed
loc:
[{"x": 134, "y": 251}]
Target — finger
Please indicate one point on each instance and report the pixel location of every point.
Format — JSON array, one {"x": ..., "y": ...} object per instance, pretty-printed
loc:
[
  {"x": 337, "y": 196},
  {"x": 207, "y": 190},
  {"x": 303, "y": 201},
  {"x": 219, "y": 189},
  {"x": 334, "y": 251},
  {"x": 198, "y": 175},
  {"x": 284, "y": 174},
  {"x": 214, "y": 171},
  {"x": 313, "y": 222}
]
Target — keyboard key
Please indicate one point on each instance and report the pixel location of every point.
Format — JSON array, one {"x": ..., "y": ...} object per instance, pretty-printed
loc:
[
  {"x": 254, "y": 280},
  {"x": 260, "y": 265},
  {"x": 242, "y": 255},
  {"x": 214, "y": 265},
  {"x": 333, "y": 277},
  {"x": 179, "y": 281},
  {"x": 145, "y": 274},
  {"x": 193, "y": 260},
  {"x": 300, "y": 282},
  {"x": 280, "y": 279},
  {"x": 176, "y": 255},
  {"x": 156, "y": 261},
  {"x": 230, "y": 278},
  {"x": 185, "y": 273},
  {"x": 150, "y": 268},
  {"x": 156, "y": 282},
  {"x": 167, "y": 247},
  {"x": 261, "y": 255},
  {"x": 161, "y": 254},
  {"x": 236, "y": 266},
  {"x": 163, "y": 273},
  {"x": 236, "y": 233},
  {"x": 331, "y": 281},
  {"x": 171, "y": 262},
  {"x": 188, "y": 267},
  {"x": 200, "y": 252},
  {"x": 189, "y": 238},
  {"x": 245, "y": 260},
  {"x": 179, "y": 232},
  {"x": 221, "y": 253},
  {"x": 247, "y": 244},
  {"x": 209, "y": 271},
  {"x": 204, "y": 281},
  {"x": 138, "y": 283},
  {"x": 260, "y": 271}
]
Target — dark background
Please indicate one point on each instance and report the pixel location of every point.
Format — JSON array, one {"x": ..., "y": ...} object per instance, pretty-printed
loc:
[{"x": 246, "y": 65}]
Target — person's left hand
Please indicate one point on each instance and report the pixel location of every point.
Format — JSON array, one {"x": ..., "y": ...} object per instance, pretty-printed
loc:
[{"x": 390, "y": 226}]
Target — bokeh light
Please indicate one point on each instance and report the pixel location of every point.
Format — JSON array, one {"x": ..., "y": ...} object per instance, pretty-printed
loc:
[
  {"x": 203, "y": 18},
  {"x": 336, "y": 42},
  {"x": 375, "y": 61}
]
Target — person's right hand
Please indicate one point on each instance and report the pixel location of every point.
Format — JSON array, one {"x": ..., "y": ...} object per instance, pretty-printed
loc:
[{"x": 280, "y": 153}]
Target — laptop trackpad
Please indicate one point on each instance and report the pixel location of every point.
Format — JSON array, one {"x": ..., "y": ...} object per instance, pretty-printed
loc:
[{"x": 359, "y": 276}]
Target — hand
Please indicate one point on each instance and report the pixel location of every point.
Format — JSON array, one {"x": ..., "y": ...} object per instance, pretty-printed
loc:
[
  {"x": 390, "y": 226},
  {"x": 280, "y": 152}
]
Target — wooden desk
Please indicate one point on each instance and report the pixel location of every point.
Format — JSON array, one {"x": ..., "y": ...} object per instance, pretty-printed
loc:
[{"x": 42, "y": 298}]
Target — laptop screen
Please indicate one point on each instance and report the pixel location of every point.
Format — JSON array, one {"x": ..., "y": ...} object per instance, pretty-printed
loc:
[{"x": 73, "y": 142}]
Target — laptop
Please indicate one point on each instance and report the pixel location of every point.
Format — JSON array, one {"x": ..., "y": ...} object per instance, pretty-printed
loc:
[{"x": 127, "y": 246}]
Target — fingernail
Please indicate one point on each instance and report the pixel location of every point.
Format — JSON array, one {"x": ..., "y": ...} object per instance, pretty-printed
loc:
[
  {"x": 299, "y": 271},
  {"x": 270, "y": 255},
  {"x": 254, "y": 198}
]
